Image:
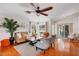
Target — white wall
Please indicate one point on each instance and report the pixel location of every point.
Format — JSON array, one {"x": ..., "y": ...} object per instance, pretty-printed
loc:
[
  {"x": 50, "y": 27},
  {"x": 70, "y": 19},
  {"x": 53, "y": 28}
]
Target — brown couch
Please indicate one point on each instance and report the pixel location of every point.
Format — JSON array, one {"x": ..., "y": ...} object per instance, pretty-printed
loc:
[{"x": 21, "y": 37}]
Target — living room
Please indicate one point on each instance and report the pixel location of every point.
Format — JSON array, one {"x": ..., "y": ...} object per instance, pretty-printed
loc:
[{"x": 58, "y": 21}]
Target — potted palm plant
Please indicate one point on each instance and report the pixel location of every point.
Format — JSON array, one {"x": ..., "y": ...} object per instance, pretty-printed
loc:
[{"x": 11, "y": 26}]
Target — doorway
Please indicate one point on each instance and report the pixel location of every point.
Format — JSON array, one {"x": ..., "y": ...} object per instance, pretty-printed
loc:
[{"x": 64, "y": 30}]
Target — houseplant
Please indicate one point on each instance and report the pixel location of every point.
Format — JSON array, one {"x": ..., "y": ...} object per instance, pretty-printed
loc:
[{"x": 11, "y": 26}]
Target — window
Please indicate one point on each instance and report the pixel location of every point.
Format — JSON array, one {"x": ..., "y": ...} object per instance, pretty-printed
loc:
[{"x": 38, "y": 28}]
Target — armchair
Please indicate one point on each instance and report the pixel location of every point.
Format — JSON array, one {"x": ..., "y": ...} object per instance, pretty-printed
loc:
[{"x": 43, "y": 43}]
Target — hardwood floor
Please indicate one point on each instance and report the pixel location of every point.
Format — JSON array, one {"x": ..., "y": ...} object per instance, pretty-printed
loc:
[
  {"x": 9, "y": 51},
  {"x": 67, "y": 48},
  {"x": 71, "y": 50}
]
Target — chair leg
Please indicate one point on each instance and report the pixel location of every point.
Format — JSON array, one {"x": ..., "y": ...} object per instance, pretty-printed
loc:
[
  {"x": 52, "y": 46},
  {"x": 36, "y": 48},
  {"x": 44, "y": 51}
]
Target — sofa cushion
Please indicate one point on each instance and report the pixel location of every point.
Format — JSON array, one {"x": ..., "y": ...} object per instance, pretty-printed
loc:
[{"x": 20, "y": 37}]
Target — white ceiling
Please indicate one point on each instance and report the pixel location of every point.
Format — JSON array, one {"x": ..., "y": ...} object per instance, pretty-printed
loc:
[{"x": 59, "y": 9}]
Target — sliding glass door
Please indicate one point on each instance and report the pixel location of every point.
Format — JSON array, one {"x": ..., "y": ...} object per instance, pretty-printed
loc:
[{"x": 64, "y": 30}]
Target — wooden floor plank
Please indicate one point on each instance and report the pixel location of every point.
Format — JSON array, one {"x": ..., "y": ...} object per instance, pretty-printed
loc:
[{"x": 9, "y": 51}]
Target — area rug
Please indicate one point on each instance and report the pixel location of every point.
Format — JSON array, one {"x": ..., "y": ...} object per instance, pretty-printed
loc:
[{"x": 26, "y": 49}]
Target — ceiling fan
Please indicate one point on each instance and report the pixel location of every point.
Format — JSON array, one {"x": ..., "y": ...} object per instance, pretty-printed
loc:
[{"x": 38, "y": 11}]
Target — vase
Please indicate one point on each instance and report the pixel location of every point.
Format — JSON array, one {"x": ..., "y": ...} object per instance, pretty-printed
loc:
[{"x": 11, "y": 40}]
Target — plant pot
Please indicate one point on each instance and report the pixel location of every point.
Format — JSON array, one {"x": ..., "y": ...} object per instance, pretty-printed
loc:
[{"x": 11, "y": 40}]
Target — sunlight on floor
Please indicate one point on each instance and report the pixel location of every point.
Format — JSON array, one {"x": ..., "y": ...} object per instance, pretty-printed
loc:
[{"x": 63, "y": 46}]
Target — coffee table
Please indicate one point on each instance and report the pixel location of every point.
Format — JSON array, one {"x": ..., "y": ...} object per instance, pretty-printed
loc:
[{"x": 33, "y": 40}]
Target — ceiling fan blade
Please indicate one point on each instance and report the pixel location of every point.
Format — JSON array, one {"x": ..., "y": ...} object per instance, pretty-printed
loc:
[
  {"x": 44, "y": 14},
  {"x": 29, "y": 11},
  {"x": 33, "y": 5},
  {"x": 46, "y": 9}
]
